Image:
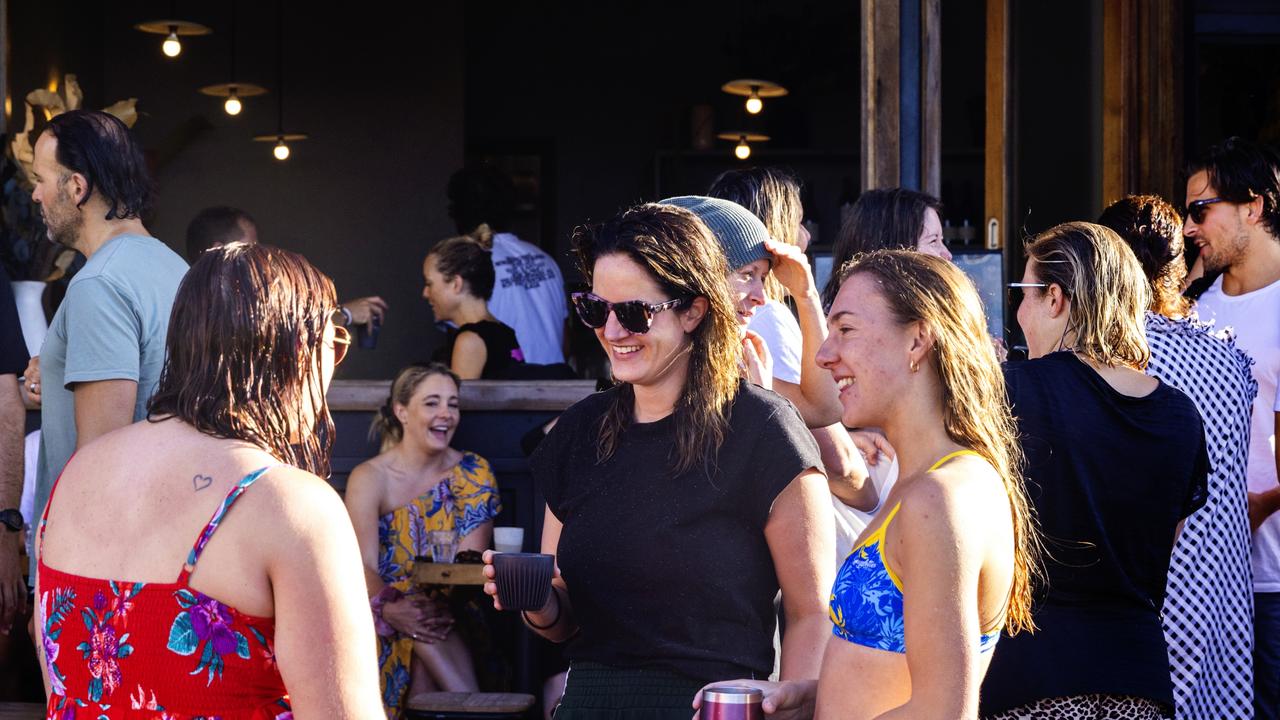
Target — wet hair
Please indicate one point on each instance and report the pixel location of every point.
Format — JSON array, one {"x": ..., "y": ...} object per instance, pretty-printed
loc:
[
  {"x": 885, "y": 219},
  {"x": 681, "y": 256},
  {"x": 1109, "y": 295},
  {"x": 99, "y": 146},
  {"x": 1153, "y": 230},
  {"x": 243, "y": 352},
  {"x": 386, "y": 426},
  {"x": 212, "y": 226},
  {"x": 481, "y": 193},
  {"x": 1240, "y": 171},
  {"x": 467, "y": 257},
  {"x": 771, "y": 194},
  {"x": 975, "y": 409}
]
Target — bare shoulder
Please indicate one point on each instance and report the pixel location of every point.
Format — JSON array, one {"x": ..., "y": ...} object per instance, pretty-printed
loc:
[
  {"x": 959, "y": 490},
  {"x": 299, "y": 503},
  {"x": 469, "y": 341}
]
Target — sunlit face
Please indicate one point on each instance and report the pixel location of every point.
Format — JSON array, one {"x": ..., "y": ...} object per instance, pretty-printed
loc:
[
  {"x": 931, "y": 242},
  {"x": 54, "y": 189},
  {"x": 803, "y": 238},
  {"x": 746, "y": 285},
  {"x": 432, "y": 415},
  {"x": 439, "y": 292},
  {"x": 867, "y": 352},
  {"x": 658, "y": 357},
  {"x": 321, "y": 376},
  {"x": 1043, "y": 331},
  {"x": 1222, "y": 237}
]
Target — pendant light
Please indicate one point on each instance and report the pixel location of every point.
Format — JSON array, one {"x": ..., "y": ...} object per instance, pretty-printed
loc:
[
  {"x": 172, "y": 30},
  {"x": 280, "y": 138},
  {"x": 233, "y": 91},
  {"x": 755, "y": 91},
  {"x": 742, "y": 150}
]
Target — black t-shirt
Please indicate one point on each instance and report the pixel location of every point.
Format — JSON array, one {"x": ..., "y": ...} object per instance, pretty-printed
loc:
[
  {"x": 672, "y": 572},
  {"x": 502, "y": 351},
  {"x": 13, "y": 349},
  {"x": 1110, "y": 477}
]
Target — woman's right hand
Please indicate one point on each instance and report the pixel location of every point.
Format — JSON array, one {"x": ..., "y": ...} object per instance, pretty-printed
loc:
[
  {"x": 756, "y": 360},
  {"x": 419, "y": 617},
  {"x": 785, "y": 700},
  {"x": 491, "y": 587}
]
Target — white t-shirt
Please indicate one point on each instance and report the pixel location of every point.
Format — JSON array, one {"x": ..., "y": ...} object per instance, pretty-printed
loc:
[
  {"x": 781, "y": 333},
  {"x": 1256, "y": 319},
  {"x": 528, "y": 297},
  {"x": 850, "y": 522}
]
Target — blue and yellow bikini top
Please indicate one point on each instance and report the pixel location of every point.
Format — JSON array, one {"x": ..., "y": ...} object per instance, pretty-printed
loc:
[{"x": 866, "y": 601}]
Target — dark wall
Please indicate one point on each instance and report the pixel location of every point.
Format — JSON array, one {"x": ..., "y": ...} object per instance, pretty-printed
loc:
[{"x": 362, "y": 198}]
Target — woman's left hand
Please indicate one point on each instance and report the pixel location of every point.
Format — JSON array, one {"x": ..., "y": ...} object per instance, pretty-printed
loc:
[
  {"x": 791, "y": 267},
  {"x": 757, "y": 360},
  {"x": 786, "y": 700}
]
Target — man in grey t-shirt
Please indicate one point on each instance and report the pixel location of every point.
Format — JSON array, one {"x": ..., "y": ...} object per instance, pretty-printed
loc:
[{"x": 102, "y": 358}]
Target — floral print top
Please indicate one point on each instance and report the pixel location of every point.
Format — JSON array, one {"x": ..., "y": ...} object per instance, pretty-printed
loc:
[
  {"x": 866, "y": 600},
  {"x": 159, "y": 651},
  {"x": 462, "y": 500}
]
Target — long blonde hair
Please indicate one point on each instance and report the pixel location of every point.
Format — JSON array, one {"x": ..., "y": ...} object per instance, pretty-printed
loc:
[
  {"x": 683, "y": 258},
  {"x": 975, "y": 408},
  {"x": 1108, "y": 291},
  {"x": 771, "y": 194}
]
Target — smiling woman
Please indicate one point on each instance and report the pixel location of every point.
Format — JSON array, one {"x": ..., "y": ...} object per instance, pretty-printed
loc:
[
  {"x": 682, "y": 477},
  {"x": 418, "y": 484}
]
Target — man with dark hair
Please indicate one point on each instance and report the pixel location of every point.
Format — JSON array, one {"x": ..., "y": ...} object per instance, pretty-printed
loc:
[
  {"x": 528, "y": 295},
  {"x": 218, "y": 225},
  {"x": 102, "y": 358},
  {"x": 221, "y": 224},
  {"x": 1233, "y": 215}
]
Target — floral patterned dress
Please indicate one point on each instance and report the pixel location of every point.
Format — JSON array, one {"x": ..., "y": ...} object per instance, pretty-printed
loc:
[
  {"x": 159, "y": 651},
  {"x": 462, "y": 501}
]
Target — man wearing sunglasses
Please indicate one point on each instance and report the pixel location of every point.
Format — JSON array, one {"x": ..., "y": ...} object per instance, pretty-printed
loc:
[{"x": 1233, "y": 216}]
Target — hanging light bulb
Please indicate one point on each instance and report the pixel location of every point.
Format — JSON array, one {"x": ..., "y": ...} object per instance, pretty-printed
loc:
[
  {"x": 281, "y": 150},
  {"x": 232, "y": 105},
  {"x": 754, "y": 103},
  {"x": 171, "y": 46},
  {"x": 743, "y": 150}
]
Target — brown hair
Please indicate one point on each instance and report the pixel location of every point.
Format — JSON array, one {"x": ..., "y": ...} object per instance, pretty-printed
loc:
[
  {"x": 469, "y": 257},
  {"x": 386, "y": 426},
  {"x": 686, "y": 262},
  {"x": 883, "y": 219},
  {"x": 243, "y": 346},
  {"x": 1108, "y": 292},
  {"x": 1153, "y": 230},
  {"x": 771, "y": 194},
  {"x": 975, "y": 409}
]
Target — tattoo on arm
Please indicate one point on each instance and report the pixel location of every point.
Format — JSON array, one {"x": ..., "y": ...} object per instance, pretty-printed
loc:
[{"x": 200, "y": 482}]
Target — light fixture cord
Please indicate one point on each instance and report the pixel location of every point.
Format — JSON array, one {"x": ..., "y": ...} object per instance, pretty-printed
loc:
[
  {"x": 232, "y": 42},
  {"x": 280, "y": 65}
]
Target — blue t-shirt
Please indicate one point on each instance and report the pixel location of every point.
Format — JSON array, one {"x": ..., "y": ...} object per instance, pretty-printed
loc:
[{"x": 110, "y": 326}]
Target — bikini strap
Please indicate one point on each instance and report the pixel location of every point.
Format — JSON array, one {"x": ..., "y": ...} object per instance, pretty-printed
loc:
[
  {"x": 949, "y": 456},
  {"x": 212, "y": 525}
]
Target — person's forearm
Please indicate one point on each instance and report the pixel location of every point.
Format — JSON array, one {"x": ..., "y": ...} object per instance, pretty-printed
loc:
[
  {"x": 555, "y": 620},
  {"x": 12, "y": 422},
  {"x": 847, "y": 475},
  {"x": 816, "y": 384},
  {"x": 803, "y": 644}
]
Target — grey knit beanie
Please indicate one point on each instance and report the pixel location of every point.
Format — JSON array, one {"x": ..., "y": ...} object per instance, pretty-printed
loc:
[{"x": 741, "y": 234}]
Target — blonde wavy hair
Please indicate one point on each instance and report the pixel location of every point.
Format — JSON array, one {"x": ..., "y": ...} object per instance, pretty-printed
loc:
[
  {"x": 975, "y": 408},
  {"x": 1108, "y": 291},
  {"x": 679, "y": 253},
  {"x": 771, "y": 194}
]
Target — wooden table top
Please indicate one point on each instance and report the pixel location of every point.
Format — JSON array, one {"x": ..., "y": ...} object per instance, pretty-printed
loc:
[
  {"x": 429, "y": 573},
  {"x": 21, "y": 711}
]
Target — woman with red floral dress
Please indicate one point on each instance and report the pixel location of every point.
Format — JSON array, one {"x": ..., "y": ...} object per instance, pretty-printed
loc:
[{"x": 166, "y": 589}]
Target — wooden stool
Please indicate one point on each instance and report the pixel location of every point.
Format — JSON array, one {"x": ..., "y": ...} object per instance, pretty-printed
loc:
[
  {"x": 468, "y": 706},
  {"x": 21, "y": 711}
]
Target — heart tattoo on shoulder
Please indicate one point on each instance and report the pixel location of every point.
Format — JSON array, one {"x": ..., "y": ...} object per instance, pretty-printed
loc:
[{"x": 200, "y": 482}]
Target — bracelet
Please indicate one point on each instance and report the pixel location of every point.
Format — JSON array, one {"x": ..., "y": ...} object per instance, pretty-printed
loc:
[
  {"x": 346, "y": 315},
  {"x": 554, "y": 620}
]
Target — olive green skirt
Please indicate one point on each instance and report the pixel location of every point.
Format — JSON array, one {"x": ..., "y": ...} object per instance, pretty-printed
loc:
[{"x": 600, "y": 692}]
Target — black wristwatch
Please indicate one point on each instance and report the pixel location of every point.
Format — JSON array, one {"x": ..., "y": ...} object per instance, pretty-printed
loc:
[{"x": 11, "y": 519}]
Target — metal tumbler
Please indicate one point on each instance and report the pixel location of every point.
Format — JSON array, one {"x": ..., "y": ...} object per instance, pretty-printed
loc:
[{"x": 732, "y": 703}]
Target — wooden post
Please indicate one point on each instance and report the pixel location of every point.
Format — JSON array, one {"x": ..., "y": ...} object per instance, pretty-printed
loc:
[
  {"x": 931, "y": 97},
  {"x": 880, "y": 137},
  {"x": 997, "y": 166}
]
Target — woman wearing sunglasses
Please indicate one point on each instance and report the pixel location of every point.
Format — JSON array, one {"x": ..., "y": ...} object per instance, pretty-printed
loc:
[
  {"x": 234, "y": 573},
  {"x": 680, "y": 500},
  {"x": 1116, "y": 460}
]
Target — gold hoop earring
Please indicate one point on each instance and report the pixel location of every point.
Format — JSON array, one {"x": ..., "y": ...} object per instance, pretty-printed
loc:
[{"x": 914, "y": 366}]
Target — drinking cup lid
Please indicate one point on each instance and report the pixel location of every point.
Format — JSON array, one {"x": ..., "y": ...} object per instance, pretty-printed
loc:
[{"x": 733, "y": 695}]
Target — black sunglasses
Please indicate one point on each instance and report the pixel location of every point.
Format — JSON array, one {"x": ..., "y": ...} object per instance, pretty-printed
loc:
[
  {"x": 1195, "y": 211},
  {"x": 633, "y": 315}
]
